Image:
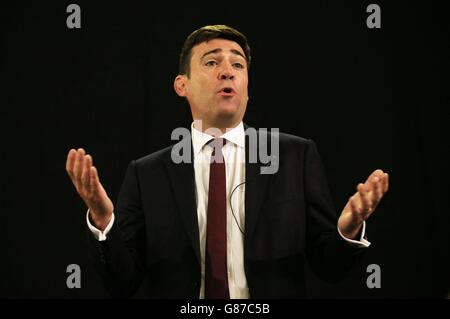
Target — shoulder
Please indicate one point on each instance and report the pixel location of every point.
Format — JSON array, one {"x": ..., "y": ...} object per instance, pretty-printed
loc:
[
  {"x": 154, "y": 160},
  {"x": 284, "y": 138},
  {"x": 294, "y": 140},
  {"x": 286, "y": 141},
  {"x": 296, "y": 146}
]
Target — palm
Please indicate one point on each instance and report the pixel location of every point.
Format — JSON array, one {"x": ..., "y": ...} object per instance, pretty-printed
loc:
[
  {"x": 85, "y": 178},
  {"x": 363, "y": 203}
]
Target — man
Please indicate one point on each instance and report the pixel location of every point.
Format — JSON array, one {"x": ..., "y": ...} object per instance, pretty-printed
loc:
[{"x": 209, "y": 229}]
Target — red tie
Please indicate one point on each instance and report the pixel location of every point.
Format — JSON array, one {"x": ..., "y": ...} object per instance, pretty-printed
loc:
[{"x": 216, "y": 275}]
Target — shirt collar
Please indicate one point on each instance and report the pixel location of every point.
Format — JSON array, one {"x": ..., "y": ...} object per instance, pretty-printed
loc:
[{"x": 235, "y": 135}]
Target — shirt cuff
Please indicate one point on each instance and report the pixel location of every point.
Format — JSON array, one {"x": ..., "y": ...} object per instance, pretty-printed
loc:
[
  {"x": 362, "y": 242},
  {"x": 98, "y": 234}
]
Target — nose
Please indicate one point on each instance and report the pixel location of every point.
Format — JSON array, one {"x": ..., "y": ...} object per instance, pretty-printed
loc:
[
  {"x": 226, "y": 76},
  {"x": 226, "y": 73}
]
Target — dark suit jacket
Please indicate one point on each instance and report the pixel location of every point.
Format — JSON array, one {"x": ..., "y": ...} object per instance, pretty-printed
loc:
[{"x": 288, "y": 216}]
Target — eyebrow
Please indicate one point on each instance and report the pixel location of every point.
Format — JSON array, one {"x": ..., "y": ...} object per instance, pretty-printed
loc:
[{"x": 218, "y": 50}]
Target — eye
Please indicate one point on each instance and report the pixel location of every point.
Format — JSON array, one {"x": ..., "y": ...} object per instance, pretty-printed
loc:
[
  {"x": 211, "y": 63},
  {"x": 238, "y": 65}
]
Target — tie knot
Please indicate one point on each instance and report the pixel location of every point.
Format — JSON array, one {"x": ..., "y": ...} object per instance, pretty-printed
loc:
[{"x": 217, "y": 144}]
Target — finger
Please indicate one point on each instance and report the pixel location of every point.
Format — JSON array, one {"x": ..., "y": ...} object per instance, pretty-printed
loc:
[
  {"x": 94, "y": 181},
  {"x": 373, "y": 185},
  {"x": 356, "y": 198},
  {"x": 383, "y": 178},
  {"x": 86, "y": 174},
  {"x": 70, "y": 161},
  {"x": 377, "y": 191},
  {"x": 385, "y": 184},
  {"x": 376, "y": 172},
  {"x": 366, "y": 202},
  {"x": 369, "y": 183},
  {"x": 359, "y": 187},
  {"x": 78, "y": 166},
  {"x": 379, "y": 172},
  {"x": 353, "y": 205}
]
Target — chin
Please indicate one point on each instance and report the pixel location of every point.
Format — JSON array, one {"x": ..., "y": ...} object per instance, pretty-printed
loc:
[
  {"x": 227, "y": 114},
  {"x": 227, "y": 109}
]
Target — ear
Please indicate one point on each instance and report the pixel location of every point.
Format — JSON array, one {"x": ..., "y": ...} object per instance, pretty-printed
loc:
[{"x": 180, "y": 85}]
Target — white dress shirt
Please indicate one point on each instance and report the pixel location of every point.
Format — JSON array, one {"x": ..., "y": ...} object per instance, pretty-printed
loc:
[{"x": 234, "y": 157}]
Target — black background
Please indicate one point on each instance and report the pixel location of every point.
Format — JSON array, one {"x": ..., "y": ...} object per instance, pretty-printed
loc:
[{"x": 369, "y": 98}]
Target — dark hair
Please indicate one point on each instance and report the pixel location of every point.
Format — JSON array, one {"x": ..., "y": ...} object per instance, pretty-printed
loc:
[{"x": 205, "y": 34}]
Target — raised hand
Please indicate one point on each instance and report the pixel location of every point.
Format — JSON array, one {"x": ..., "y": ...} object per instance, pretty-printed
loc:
[
  {"x": 85, "y": 178},
  {"x": 363, "y": 203}
]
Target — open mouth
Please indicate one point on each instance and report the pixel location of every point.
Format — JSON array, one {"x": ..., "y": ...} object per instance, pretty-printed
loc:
[{"x": 227, "y": 91}]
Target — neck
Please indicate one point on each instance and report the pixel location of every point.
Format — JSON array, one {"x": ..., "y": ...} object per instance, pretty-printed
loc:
[{"x": 213, "y": 129}]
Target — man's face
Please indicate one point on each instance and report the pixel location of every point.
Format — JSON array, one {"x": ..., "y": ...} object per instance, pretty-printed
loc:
[{"x": 217, "y": 87}]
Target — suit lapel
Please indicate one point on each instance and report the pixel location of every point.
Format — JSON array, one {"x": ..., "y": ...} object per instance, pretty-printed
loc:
[{"x": 183, "y": 183}]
